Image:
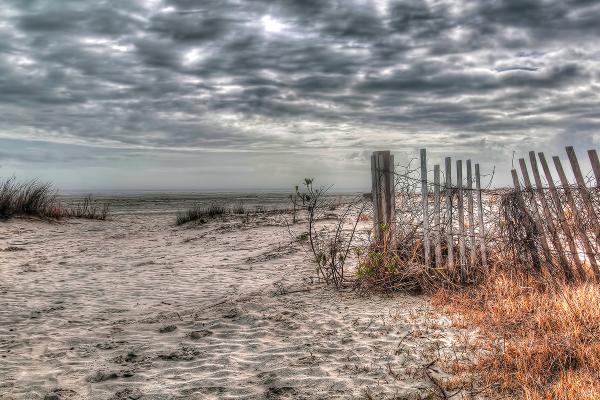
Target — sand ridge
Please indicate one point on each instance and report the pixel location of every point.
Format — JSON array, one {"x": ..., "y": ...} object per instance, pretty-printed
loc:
[{"x": 136, "y": 308}]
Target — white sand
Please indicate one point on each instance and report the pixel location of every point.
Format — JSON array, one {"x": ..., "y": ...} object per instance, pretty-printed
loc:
[{"x": 136, "y": 308}]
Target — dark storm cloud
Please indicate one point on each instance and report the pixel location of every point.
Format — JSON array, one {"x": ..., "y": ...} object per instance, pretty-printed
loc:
[{"x": 257, "y": 74}]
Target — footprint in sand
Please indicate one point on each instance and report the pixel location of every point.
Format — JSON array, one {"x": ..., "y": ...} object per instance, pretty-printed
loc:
[{"x": 197, "y": 335}]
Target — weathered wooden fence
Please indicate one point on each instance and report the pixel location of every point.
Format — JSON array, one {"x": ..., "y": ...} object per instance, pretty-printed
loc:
[
  {"x": 566, "y": 230},
  {"x": 446, "y": 226},
  {"x": 567, "y": 233}
]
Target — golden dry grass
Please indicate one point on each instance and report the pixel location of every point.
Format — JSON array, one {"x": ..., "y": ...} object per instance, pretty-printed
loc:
[{"x": 539, "y": 341}]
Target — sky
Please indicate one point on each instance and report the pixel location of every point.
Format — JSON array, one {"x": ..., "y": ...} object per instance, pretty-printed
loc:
[{"x": 258, "y": 94}]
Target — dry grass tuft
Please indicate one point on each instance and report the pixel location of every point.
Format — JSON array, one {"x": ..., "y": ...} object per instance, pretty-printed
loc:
[
  {"x": 540, "y": 341},
  {"x": 87, "y": 209},
  {"x": 30, "y": 198},
  {"x": 200, "y": 214}
]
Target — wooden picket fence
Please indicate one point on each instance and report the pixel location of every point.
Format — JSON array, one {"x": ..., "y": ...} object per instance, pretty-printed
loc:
[
  {"x": 443, "y": 224},
  {"x": 567, "y": 234}
]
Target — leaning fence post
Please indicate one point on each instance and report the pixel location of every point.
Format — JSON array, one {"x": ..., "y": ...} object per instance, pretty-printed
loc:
[
  {"x": 536, "y": 217},
  {"x": 436, "y": 215},
  {"x": 595, "y": 165},
  {"x": 581, "y": 230},
  {"x": 481, "y": 226},
  {"x": 531, "y": 244},
  {"x": 564, "y": 263},
  {"x": 448, "y": 190},
  {"x": 561, "y": 216},
  {"x": 585, "y": 194},
  {"x": 424, "y": 199}
]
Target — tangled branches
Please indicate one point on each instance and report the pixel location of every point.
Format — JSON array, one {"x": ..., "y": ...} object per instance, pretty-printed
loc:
[{"x": 330, "y": 243}]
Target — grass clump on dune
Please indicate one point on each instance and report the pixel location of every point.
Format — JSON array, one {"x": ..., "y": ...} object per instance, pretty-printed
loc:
[
  {"x": 87, "y": 209},
  {"x": 200, "y": 214},
  {"x": 38, "y": 199},
  {"x": 30, "y": 198}
]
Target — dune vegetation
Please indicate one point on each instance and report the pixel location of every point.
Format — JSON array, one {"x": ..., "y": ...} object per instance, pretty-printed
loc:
[{"x": 39, "y": 199}]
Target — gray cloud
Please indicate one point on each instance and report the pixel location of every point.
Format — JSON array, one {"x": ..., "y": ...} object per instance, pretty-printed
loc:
[{"x": 345, "y": 75}]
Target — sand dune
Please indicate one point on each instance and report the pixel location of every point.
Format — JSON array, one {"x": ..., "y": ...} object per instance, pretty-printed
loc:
[{"x": 136, "y": 308}]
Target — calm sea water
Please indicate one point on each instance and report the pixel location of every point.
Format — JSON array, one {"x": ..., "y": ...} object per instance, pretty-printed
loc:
[{"x": 173, "y": 202}]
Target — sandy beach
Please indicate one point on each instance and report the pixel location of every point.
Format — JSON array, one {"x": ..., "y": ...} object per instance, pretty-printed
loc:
[{"x": 136, "y": 307}]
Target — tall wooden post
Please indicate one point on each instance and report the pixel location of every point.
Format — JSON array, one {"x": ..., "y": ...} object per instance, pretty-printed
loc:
[
  {"x": 382, "y": 170},
  {"x": 425, "y": 203},
  {"x": 436, "y": 215},
  {"x": 448, "y": 190}
]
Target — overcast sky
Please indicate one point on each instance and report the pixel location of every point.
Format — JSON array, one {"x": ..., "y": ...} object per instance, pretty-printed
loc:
[{"x": 224, "y": 94}]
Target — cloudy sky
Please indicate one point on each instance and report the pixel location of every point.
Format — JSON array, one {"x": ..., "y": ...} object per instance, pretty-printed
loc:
[{"x": 223, "y": 94}]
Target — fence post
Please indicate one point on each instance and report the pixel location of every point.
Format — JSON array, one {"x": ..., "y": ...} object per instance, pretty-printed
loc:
[
  {"x": 585, "y": 194},
  {"x": 461, "y": 221},
  {"x": 382, "y": 174},
  {"x": 436, "y": 215},
  {"x": 481, "y": 226},
  {"x": 536, "y": 217},
  {"x": 561, "y": 216},
  {"x": 448, "y": 190},
  {"x": 376, "y": 196},
  {"x": 531, "y": 244},
  {"x": 425, "y": 201},
  {"x": 595, "y": 165},
  {"x": 470, "y": 212},
  {"x": 564, "y": 263}
]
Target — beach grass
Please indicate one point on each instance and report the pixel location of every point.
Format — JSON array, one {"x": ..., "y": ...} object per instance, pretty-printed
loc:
[
  {"x": 39, "y": 199},
  {"x": 200, "y": 214}
]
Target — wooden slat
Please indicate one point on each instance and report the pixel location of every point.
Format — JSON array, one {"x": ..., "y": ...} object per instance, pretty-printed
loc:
[
  {"x": 579, "y": 224},
  {"x": 595, "y": 165},
  {"x": 425, "y": 205},
  {"x": 561, "y": 215},
  {"x": 449, "y": 233},
  {"x": 436, "y": 215},
  {"x": 537, "y": 219},
  {"x": 481, "y": 224},
  {"x": 531, "y": 245},
  {"x": 461, "y": 221},
  {"x": 592, "y": 217},
  {"x": 470, "y": 213}
]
